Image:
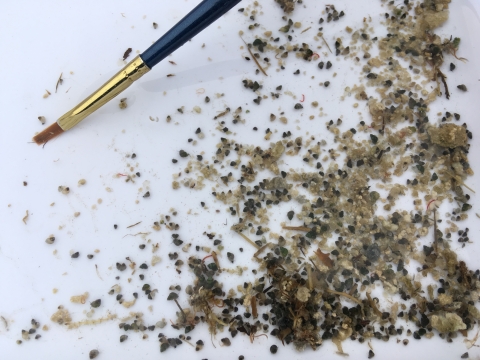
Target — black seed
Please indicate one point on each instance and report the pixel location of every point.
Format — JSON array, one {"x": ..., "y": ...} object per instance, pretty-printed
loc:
[
  {"x": 183, "y": 153},
  {"x": 298, "y": 106},
  {"x": 96, "y": 303},
  {"x": 172, "y": 296},
  {"x": 75, "y": 255},
  {"x": 273, "y": 349},
  {"x": 452, "y": 66},
  {"x": 464, "y": 356},
  {"x": 290, "y": 215},
  {"x": 371, "y": 354},
  {"x": 462, "y": 87},
  {"x": 329, "y": 64},
  {"x": 147, "y": 194},
  {"x": 178, "y": 242},
  {"x": 226, "y": 341}
]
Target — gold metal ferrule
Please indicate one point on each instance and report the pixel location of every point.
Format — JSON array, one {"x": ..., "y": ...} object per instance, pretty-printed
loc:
[{"x": 134, "y": 70}]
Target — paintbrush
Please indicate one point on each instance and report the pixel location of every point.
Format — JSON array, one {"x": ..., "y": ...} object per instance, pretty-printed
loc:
[{"x": 194, "y": 22}]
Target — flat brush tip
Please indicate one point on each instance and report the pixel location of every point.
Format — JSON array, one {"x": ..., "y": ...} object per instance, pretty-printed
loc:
[{"x": 48, "y": 134}]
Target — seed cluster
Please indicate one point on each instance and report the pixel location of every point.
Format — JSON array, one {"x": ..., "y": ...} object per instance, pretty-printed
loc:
[{"x": 309, "y": 280}]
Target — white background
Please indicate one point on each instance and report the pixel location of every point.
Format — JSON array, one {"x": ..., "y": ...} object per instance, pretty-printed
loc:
[{"x": 40, "y": 40}]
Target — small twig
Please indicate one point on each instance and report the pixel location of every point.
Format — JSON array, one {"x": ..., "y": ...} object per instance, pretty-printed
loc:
[
  {"x": 327, "y": 44},
  {"x": 139, "y": 233},
  {"x": 253, "y": 302},
  {"x": 315, "y": 266},
  {"x": 223, "y": 113},
  {"x": 352, "y": 290},
  {"x": 298, "y": 228},
  {"x": 5, "y": 322},
  {"x": 469, "y": 188},
  {"x": 59, "y": 82},
  {"x": 345, "y": 295},
  {"x": 443, "y": 77},
  {"x": 309, "y": 277},
  {"x": 246, "y": 238},
  {"x": 25, "y": 218},
  {"x": 128, "y": 227},
  {"x": 459, "y": 181},
  {"x": 373, "y": 305},
  {"x": 306, "y": 29},
  {"x": 96, "y": 267},
  {"x": 188, "y": 342},
  {"x": 183, "y": 313},
  {"x": 254, "y": 58},
  {"x": 472, "y": 342},
  {"x": 261, "y": 249},
  {"x": 435, "y": 231}
]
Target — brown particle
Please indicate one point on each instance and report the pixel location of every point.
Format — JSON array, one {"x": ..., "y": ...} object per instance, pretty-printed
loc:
[
  {"x": 123, "y": 103},
  {"x": 126, "y": 54}
]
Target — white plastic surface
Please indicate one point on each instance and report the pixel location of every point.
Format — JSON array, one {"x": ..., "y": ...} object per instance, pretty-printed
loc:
[{"x": 85, "y": 41}]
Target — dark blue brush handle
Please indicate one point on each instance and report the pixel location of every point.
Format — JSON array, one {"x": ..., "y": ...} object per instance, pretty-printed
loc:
[{"x": 198, "y": 19}]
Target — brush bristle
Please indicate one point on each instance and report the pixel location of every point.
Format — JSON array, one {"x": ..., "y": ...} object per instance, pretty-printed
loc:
[{"x": 48, "y": 134}]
